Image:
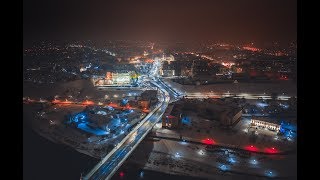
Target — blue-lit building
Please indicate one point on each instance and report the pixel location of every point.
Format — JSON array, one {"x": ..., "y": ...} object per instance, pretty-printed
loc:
[
  {"x": 288, "y": 130},
  {"x": 124, "y": 102},
  {"x": 186, "y": 120},
  {"x": 99, "y": 121}
]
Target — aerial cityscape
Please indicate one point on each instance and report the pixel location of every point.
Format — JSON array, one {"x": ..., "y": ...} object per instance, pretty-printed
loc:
[{"x": 148, "y": 107}]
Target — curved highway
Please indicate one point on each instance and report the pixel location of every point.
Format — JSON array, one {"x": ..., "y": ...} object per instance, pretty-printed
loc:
[{"x": 109, "y": 165}]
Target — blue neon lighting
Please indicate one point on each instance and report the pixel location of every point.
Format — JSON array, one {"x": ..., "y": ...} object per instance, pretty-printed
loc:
[{"x": 224, "y": 167}]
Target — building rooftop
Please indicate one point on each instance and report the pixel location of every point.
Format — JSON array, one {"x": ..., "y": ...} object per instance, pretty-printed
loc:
[{"x": 270, "y": 120}]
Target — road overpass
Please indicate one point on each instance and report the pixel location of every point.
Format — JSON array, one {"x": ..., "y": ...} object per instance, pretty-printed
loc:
[{"x": 113, "y": 160}]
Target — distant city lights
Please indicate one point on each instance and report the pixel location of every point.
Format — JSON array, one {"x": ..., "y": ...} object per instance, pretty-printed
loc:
[
  {"x": 253, "y": 49},
  {"x": 56, "y": 101},
  {"x": 87, "y": 102},
  {"x": 228, "y": 64}
]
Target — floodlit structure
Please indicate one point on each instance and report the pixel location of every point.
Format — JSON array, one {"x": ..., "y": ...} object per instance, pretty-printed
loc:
[
  {"x": 266, "y": 123},
  {"x": 169, "y": 58},
  {"x": 116, "y": 79},
  {"x": 167, "y": 72},
  {"x": 100, "y": 121}
]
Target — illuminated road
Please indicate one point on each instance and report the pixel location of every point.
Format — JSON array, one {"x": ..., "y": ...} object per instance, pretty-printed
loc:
[
  {"x": 240, "y": 95},
  {"x": 174, "y": 95},
  {"x": 109, "y": 165}
]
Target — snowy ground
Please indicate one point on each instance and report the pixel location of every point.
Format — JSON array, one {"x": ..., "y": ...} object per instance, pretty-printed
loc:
[
  {"x": 191, "y": 159},
  {"x": 287, "y": 87},
  {"x": 51, "y": 123},
  {"x": 79, "y": 89},
  {"x": 239, "y": 136}
]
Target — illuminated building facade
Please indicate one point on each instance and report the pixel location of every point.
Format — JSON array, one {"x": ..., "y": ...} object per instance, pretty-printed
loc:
[
  {"x": 265, "y": 123},
  {"x": 169, "y": 59},
  {"x": 167, "y": 73},
  {"x": 168, "y": 69},
  {"x": 116, "y": 79}
]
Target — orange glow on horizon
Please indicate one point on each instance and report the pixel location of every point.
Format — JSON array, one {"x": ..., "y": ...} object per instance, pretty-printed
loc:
[
  {"x": 66, "y": 102},
  {"x": 149, "y": 61},
  {"x": 87, "y": 102},
  {"x": 128, "y": 106},
  {"x": 114, "y": 105},
  {"x": 227, "y": 64},
  {"x": 145, "y": 110},
  {"x": 251, "y": 49},
  {"x": 56, "y": 101}
]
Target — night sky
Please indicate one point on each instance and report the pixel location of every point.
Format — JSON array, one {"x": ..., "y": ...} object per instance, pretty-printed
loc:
[{"x": 224, "y": 20}]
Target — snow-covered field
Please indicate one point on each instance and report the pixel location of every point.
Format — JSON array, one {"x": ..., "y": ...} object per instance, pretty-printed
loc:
[
  {"x": 287, "y": 87},
  {"x": 49, "y": 122},
  {"x": 190, "y": 159},
  {"x": 238, "y": 137}
]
